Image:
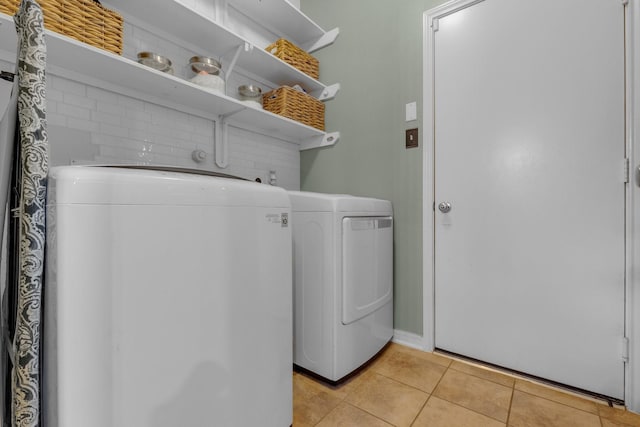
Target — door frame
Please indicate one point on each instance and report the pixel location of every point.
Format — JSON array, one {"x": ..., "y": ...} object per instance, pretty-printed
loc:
[{"x": 632, "y": 131}]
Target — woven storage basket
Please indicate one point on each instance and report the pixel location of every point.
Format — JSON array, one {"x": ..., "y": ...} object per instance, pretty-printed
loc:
[
  {"x": 294, "y": 56},
  {"x": 83, "y": 20},
  {"x": 295, "y": 105}
]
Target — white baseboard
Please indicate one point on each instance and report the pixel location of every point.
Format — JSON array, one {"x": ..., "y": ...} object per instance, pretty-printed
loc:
[{"x": 408, "y": 339}]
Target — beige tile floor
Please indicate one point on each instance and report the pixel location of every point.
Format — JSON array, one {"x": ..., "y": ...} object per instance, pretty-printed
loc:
[{"x": 407, "y": 387}]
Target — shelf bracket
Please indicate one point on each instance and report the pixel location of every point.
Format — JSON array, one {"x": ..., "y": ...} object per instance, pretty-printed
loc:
[
  {"x": 221, "y": 139},
  {"x": 325, "y": 140},
  {"x": 325, "y": 40},
  {"x": 247, "y": 47},
  {"x": 329, "y": 92}
]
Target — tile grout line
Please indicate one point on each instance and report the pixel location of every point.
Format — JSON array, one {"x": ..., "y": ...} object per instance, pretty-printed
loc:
[
  {"x": 431, "y": 394},
  {"x": 367, "y": 412},
  {"x": 562, "y": 404},
  {"x": 469, "y": 409},
  {"x": 562, "y": 390},
  {"x": 446, "y": 400},
  {"x": 316, "y": 394},
  {"x": 344, "y": 400},
  {"x": 373, "y": 372},
  {"x": 518, "y": 378},
  {"x": 513, "y": 393},
  {"x": 450, "y": 366},
  {"x": 403, "y": 383},
  {"x": 487, "y": 379},
  {"x": 328, "y": 412},
  {"x": 522, "y": 377},
  {"x": 414, "y": 387},
  {"x": 421, "y": 409},
  {"x": 458, "y": 404}
]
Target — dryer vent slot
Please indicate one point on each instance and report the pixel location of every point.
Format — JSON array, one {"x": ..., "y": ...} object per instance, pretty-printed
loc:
[{"x": 384, "y": 223}]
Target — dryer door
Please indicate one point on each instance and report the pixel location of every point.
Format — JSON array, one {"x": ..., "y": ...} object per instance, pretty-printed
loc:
[{"x": 367, "y": 265}]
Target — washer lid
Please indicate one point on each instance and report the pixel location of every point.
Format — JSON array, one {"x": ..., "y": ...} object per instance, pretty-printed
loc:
[
  {"x": 124, "y": 186},
  {"x": 304, "y": 201}
]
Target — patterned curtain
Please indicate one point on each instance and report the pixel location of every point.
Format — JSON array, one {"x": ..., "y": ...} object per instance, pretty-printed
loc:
[{"x": 31, "y": 170}]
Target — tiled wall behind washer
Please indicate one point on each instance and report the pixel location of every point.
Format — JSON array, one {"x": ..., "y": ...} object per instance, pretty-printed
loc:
[{"x": 88, "y": 124}]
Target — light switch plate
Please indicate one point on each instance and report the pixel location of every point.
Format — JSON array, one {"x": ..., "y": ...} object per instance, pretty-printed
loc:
[
  {"x": 411, "y": 138},
  {"x": 411, "y": 112}
]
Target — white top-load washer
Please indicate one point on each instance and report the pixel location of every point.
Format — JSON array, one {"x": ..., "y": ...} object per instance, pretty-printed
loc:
[
  {"x": 343, "y": 281},
  {"x": 168, "y": 300}
]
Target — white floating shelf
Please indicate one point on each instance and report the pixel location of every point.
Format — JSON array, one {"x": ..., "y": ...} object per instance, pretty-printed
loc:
[
  {"x": 286, "y": 19},
  {"x": 79, "y": 58},
  {"x": 190, "y": 26}
]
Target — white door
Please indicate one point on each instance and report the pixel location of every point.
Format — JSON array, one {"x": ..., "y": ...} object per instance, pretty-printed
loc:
[{"x": 529, "y": 149}]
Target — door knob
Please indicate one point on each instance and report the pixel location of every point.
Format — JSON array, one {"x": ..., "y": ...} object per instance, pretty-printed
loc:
[{"x": 444, "y": 207}]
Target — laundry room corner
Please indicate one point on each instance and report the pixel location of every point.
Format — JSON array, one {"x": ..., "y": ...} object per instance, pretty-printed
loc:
[{"x": 378, "y": 59}]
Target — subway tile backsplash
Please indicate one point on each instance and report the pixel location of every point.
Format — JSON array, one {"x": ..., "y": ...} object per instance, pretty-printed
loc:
[{"x": 88, "y": 124}]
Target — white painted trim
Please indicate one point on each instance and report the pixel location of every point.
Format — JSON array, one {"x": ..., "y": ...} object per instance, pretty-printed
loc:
[
  {"x": 632, "y": 390},
  {"x": 408, "y": 339},
  {"x": 632, "y": 308},
  {"x": 428, "y": 300}
]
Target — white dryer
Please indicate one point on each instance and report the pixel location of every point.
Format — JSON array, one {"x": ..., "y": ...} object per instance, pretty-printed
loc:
[{"x": 343, "y": 281}]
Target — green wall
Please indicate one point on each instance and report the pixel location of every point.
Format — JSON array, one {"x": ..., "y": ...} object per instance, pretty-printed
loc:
[{"x": 377, "y": 59}]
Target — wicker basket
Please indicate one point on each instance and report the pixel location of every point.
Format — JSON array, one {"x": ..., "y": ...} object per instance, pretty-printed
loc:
[
  {"x": 294, "y": 56},
  {"x": 295, "y": 105},
  {"x": 83, "y": 20}
]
